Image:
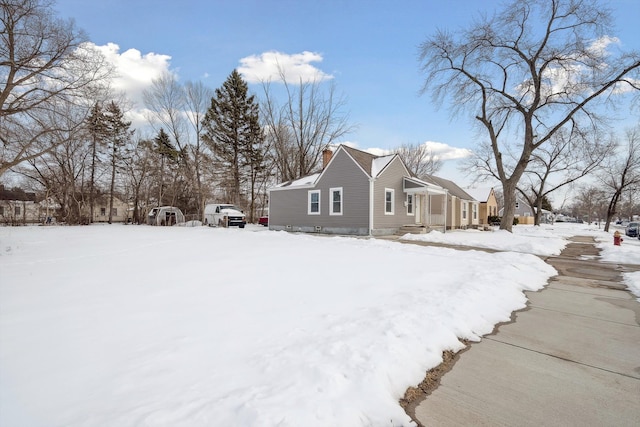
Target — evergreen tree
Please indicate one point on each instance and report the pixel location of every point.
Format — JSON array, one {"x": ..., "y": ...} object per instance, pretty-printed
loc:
[
  {"x": 118, "y": 135},
  {"x": 167, "y": 151},
  {"x": 97, "y": 129},
  {"x": 232, "y": 131}
]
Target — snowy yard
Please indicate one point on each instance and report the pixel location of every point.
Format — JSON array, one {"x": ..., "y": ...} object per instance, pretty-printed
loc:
[{"x": 193, "y": 326}]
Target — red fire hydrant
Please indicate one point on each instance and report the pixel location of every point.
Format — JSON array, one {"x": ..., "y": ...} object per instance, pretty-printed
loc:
[{"x": 617, "y": 238}]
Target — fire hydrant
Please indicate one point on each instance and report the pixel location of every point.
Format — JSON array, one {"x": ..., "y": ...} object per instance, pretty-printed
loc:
[{"x": 617, "y": 238}]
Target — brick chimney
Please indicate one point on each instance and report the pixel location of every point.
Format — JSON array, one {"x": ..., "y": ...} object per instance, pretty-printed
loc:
[{"x": 326, "y": 157}]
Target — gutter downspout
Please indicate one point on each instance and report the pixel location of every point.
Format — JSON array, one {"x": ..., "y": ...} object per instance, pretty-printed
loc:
[
  {"x": 371, "y": 186},
  {"x": 446, "y": 205}
]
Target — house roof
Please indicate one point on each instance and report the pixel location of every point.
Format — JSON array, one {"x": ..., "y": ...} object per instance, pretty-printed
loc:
[
  {"x": 16, "y": 194},
  {"x": 414, "y": 185},
  {"x": 480, "y": 194},
  {"x": 370, "y": 163},
  {"x": 300, "y": 182},
  {"x": 451, "y": 186}
]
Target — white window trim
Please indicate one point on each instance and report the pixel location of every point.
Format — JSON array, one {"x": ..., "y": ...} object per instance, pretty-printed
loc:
[
  {"x": 393, "y": 201},
  {"x": 464, "y": 210},
  {"x": 475, "y": 211},
  {"x": 309, "y": 193},
  {"x": 331, "y": 191},
  {"x": 412, "y": 204}
]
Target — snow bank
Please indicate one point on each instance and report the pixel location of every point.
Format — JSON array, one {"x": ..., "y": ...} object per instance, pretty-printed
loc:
[{"x": 527, "y": 239}]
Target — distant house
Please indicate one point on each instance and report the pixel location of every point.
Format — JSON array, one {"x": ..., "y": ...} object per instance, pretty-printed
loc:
[
  {"x": 463, "y": 210},
  {"x": 524, "y": 213},
  {"x": 120, "y": 210},
  {"x": 357, "y": 193},
  {"x": 18, "y": 207},
  {"x": 488, "y": 203}
]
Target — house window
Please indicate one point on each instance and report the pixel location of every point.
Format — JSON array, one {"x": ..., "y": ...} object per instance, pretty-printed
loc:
[
  {"x": 409, "y": 204},
  {"x": 336, "y": 201},
  {"x": 103, "y": 211},
  {"x": 16, "y": 210},
  {"x": 314, "y": 202},
  {"x": 464, "y": 210},
  {"x": 388, "y": 201},
  {"x": 517, "y": 205},
  {"x": 1, "y": 210},
  {"x": 475, "y": 211},
  {"x": 114, "y": 211}
]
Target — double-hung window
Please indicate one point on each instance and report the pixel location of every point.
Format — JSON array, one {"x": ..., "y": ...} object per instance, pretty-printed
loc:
[
  {"x": 409, "y": 204},
  {"x": 389, "y": 201},
  {"x": 336, "y": 201},
  {"x": 474, "y": 208},
  {"x": 464, "y": 210},
  {"x": 314, "y": 202}
]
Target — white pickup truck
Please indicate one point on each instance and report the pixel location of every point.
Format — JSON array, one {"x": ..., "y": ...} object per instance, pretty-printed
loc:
[{"x": 223, "y": 215}]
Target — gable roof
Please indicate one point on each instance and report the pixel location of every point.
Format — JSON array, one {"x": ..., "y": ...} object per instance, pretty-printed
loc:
[
  {"x": 371, "y": 164},
  {"x": 451, "y": 186},
  {"x": 480, "y": 194}
]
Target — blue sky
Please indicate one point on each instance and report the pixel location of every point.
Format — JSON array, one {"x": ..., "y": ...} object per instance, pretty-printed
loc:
[{"x": 369, "y": 48}]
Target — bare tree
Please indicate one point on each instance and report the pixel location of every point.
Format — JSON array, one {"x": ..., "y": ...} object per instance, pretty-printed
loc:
[
  {"x": 419, "y": 159},
  {"x": 138, "y": 168},
  {"x": 622, "y": 173},
  {"x": 62, "y": 170},
  {"x": 197, "y": 99},
  {"x": 180, "y": 110},
  {"x": 309, "y": 120},
  {"x": 526, "y": 72},
  {"x": 43, "y": 62},
  {"x": 591, "y": 203}
]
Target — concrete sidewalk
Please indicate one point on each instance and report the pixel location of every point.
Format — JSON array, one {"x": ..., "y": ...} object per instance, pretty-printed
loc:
[{"x": 572, "y": 358}]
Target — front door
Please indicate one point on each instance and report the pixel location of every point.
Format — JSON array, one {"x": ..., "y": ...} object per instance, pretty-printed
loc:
[{"x": 417, "y": 201}]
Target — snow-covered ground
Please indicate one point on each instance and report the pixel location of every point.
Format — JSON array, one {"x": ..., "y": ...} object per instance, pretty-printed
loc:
[{"x": 193, "y": 326}]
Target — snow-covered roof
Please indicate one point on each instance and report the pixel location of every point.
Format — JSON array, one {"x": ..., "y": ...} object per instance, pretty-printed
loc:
[
  {"x": 480, "y": 194},
  {"x": 379, "y": 163},
  {"x": 453, "y": 188},
  {"x": 300, "y": 182}
]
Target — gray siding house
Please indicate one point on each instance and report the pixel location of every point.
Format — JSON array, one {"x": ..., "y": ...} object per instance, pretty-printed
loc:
[
  {"x": 357, "y": 193},
  {"x": 462, "y": 209}
]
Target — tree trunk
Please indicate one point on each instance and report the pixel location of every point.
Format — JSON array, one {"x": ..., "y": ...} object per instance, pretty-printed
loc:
[
  {"x": 508, "y": 213},
  {"x": 611, "y": 210}
]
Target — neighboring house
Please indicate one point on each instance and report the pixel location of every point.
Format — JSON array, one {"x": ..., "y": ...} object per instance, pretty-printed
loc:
[
  {"x": 488, "y": 203},
  {"x": 101, "y": 210},
  {"x": 524, "y": 213},
  {"x": 463, "y": 210},
  {"x": 18, "y": 207},
  {"x": 356, "y": 193}
]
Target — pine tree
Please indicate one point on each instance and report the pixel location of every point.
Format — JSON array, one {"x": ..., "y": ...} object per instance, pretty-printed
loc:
[
  {"x": 232, "y": 131},
  {"x": 96, "y": 127},
  {"x": 166, "y": 150},
  {"x": 118, "y": 135}
]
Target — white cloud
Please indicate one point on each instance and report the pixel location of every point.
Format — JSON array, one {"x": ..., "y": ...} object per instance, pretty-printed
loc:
[
  {"x": 439, "y": 149},
  {"x": 269, "y": 66},
  {"x": 600, "y": 45},
  {"x": 575, "y": 78},
  {"x": 135, "y": 71},
  {"x": 446, "y": 152}
]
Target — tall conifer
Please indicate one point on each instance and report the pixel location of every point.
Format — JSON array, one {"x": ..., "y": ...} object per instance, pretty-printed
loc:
[{"x": 232, "y": 131}]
